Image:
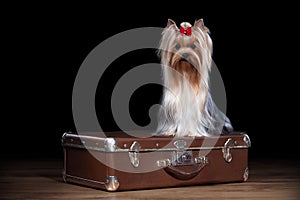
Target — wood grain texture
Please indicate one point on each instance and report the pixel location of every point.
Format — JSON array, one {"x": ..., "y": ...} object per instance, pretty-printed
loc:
[{"x": 272, "y": 179}]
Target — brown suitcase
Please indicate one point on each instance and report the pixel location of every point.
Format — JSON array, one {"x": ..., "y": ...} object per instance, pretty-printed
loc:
[{"x": 118, "y": 161}]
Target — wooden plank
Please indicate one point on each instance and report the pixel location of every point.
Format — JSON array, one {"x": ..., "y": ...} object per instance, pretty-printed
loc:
[{"x": 273, "y": 179}]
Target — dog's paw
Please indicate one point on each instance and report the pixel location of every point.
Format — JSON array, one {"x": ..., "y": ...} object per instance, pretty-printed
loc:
[{"x": 167, "y": 133}]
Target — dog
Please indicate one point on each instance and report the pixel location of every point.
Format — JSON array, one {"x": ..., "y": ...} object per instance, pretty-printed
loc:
[{"x": 187, "y": 105}]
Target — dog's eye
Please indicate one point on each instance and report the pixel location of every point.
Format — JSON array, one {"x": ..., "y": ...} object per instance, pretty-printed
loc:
[
  {"x": 177, "y": 46},
  {"x": 193, "y": 46}
]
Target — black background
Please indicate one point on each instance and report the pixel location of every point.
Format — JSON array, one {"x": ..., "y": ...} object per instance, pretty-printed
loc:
[{"x": 43, "y": 46}]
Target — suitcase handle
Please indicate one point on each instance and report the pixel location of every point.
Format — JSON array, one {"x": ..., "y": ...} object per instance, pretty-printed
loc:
[{"x": 186, "y": 172}]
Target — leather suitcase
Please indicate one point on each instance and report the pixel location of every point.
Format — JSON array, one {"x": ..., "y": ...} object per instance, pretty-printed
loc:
[{"x": 118, "y": 161}]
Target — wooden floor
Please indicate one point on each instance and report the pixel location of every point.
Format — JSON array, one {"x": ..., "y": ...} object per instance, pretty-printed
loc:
[{"x": 272, "y": 179}]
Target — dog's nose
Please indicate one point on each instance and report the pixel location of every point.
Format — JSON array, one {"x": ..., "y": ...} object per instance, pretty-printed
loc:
[{"x": 185, "y": 55}]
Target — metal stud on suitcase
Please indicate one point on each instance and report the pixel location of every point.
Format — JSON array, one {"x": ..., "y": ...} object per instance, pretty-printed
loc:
[{"x": 117, "y": 161}]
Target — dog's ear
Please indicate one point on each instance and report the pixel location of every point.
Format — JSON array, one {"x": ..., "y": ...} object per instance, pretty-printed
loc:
[
  {"x": 171, "y": 24},
  {"x": 200, "y": 24}
]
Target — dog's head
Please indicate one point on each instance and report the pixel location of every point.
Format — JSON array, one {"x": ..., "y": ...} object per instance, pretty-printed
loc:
[{"x": 186, "y": 49}]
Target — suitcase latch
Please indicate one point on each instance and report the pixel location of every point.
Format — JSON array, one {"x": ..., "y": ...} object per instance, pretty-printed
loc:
[
  {"x": 227, "y": 154},
  {"x": 134, "y": 154},
  {"x": 182, "y": 157}
]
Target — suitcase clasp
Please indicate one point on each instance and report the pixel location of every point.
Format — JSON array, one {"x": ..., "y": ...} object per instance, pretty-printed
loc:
[
  {"x": 134, "y": 154},
  {"x": 227, "y": 155},
  {"x": 183, "y": 165},
  {"x": 181, "y": 156}
]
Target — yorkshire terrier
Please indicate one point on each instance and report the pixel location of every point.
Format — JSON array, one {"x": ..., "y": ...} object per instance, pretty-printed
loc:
[{"x": 187, "y": 106}]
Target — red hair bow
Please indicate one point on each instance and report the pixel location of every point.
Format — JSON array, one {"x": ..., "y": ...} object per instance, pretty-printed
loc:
[{"x": 186, "y": 31}]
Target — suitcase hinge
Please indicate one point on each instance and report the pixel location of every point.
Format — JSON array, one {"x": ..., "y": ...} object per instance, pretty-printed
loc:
[
  {"x": 110, "y": 145},
  {"x": 134, "y": 154}
]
